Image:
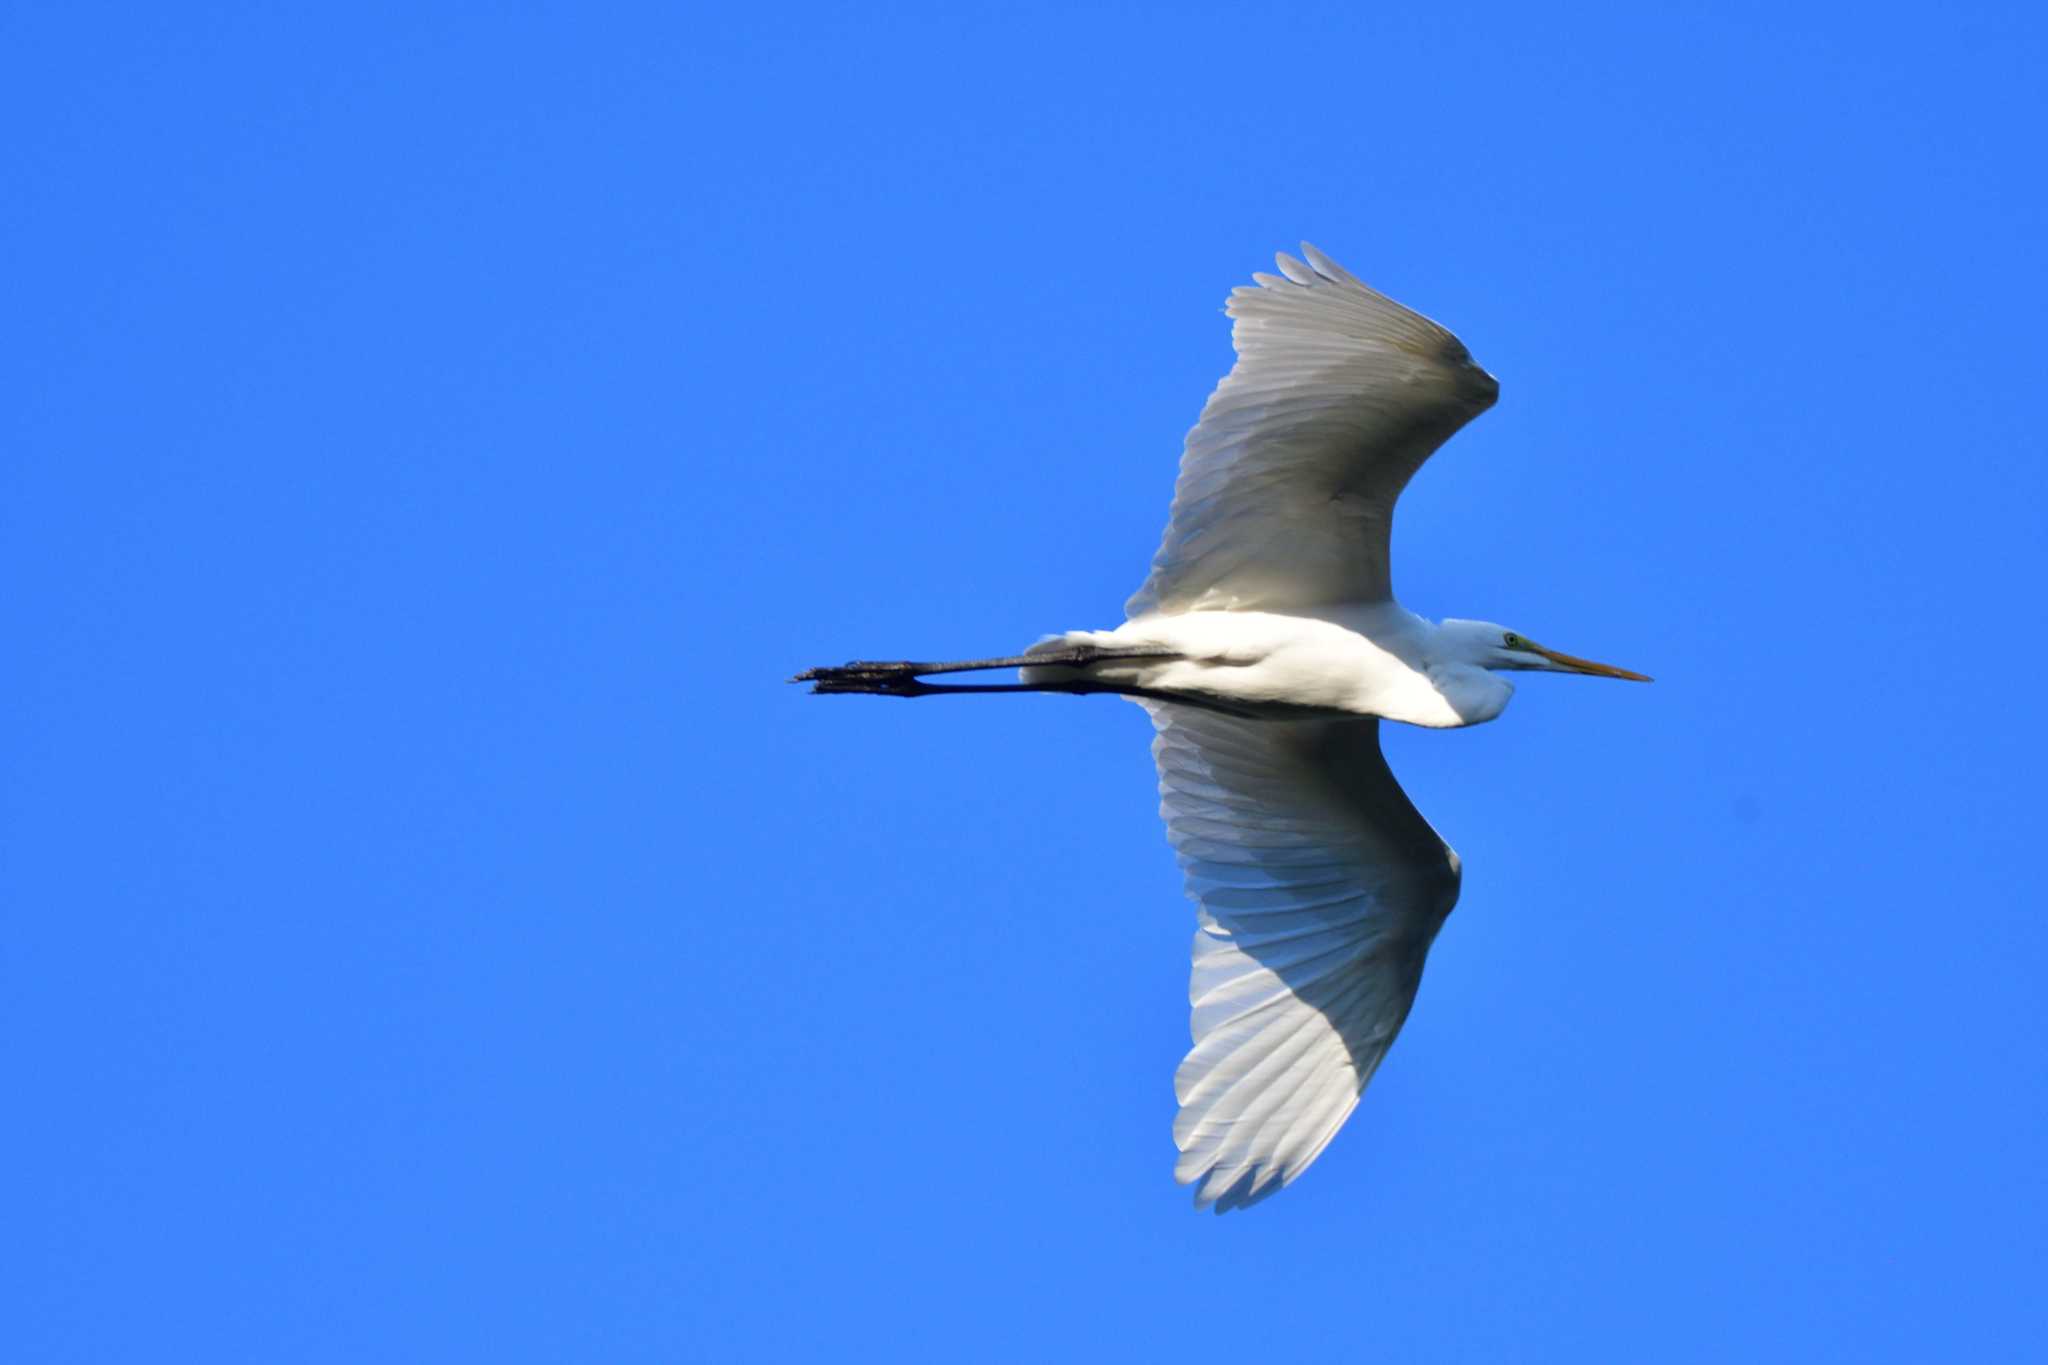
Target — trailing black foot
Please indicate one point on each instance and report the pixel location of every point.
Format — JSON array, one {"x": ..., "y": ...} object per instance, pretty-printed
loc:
[{"x": 882, "y": 679}]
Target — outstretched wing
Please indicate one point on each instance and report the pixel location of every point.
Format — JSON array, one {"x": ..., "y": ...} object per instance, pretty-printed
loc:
[
  {"x": 1287, "y": 484},
  {"x": 1320, "y": 889}
]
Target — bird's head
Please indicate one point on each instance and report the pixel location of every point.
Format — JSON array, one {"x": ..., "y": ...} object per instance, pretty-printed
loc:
[{"x": 1483, "y": 644}]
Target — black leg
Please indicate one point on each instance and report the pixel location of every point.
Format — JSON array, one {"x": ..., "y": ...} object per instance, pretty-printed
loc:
[
  {"x": 875, "y": 671},
  {"x": 902, "y": 678}
]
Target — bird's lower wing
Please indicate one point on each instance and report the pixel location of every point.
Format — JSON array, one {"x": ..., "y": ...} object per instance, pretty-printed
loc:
[{"x": 1319, "y": 891}]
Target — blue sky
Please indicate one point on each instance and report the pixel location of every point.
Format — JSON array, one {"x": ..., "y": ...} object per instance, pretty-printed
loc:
[{"x": 434, "y": 932}]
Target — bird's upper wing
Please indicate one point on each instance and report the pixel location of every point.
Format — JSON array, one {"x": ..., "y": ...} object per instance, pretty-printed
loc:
[
  {"x": 1320, "y": 889},
  {"x": 1287, "y": 484}
]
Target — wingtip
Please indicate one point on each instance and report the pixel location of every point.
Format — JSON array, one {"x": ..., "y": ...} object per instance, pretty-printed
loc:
[
  {"x": 1246, "y": 1187},
  {"x": 1293, "y": 269},
  {"x": 1324, "y": 266}
]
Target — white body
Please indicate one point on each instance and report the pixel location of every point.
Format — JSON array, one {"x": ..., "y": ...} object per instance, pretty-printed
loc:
[{"x": 1369, "y": 659}]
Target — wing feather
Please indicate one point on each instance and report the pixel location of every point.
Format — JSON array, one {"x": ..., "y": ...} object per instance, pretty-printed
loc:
[
  {"x": 1319, "y": 889},
  {"x": 1288, "y": 482}
]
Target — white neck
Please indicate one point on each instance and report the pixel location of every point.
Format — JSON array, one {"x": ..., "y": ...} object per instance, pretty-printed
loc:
[{"x": 1474, "y": 695}]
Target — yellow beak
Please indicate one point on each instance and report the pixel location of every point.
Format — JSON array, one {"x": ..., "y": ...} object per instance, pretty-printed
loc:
[{"x": 1587, "y": 666}]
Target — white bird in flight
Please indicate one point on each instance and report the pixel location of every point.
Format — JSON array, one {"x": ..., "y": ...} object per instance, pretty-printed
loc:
[{"x": 1267, "y": 647}]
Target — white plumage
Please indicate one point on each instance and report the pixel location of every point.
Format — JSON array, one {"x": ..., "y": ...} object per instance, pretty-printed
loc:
[
  {"x": 1318, "y": 890},
  {"x": 1267, "y": 647},
  {"x": 1287, "y": 484}
]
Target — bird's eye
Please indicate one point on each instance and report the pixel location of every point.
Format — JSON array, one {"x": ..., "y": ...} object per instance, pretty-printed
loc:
[{"x": 1512, "y": 640}]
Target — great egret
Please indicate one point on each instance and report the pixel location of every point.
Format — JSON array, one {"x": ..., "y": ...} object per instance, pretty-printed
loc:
[{"x": 1267, "y": 646}]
